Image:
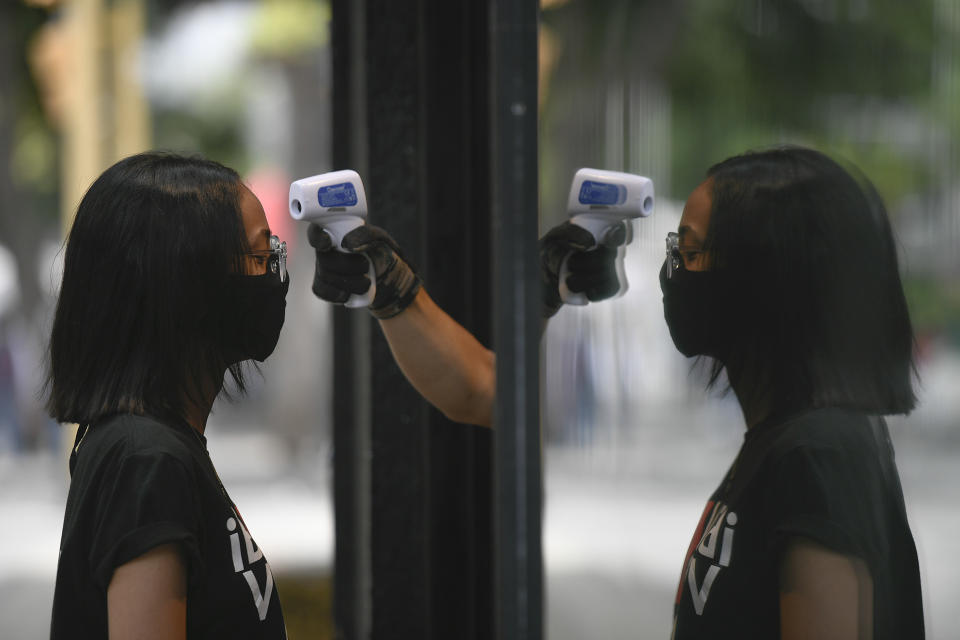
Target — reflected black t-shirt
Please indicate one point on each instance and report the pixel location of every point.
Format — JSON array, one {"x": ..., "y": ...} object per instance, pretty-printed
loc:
[
  {"x": 827, "y": 475},
  {"x": 137, "y": 483}
]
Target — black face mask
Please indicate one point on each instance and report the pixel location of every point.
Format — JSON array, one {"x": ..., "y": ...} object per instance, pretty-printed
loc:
[
  {"x": 693, "y": 306},
  {"x": 254, "y": 314}
]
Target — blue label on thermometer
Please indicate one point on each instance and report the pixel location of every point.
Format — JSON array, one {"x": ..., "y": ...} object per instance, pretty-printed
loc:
[
  {"x": 337, "y": 195},
  {"x": 602, "y": 193}
]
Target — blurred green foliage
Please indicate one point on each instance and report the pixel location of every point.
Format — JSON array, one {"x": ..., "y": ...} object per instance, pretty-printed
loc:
[
  {"x": 34, "y": 157},
  {"x": 748, "y": 73},
  {"x": 870, "y": 82},
  {"x": 281, "y": 31},
  {"x": 31, "y": 144},
  {"x": 307, "y": 605},
  {"x": 213, "y": 134},
  {"x": 934, "y": 307},
  {"x": 744, "y": 74},
  {"x": 286, "y": 28}
]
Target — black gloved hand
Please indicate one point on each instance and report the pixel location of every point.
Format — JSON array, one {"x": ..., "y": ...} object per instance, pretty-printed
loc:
[
  {"x": 338, "y": 274},
  {"x": 592, "y": 272}
]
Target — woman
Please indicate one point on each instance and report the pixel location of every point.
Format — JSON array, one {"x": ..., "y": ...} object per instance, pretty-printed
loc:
[
  {"x": 783, "y": 272},
  {"x": 171, "y": 278}
]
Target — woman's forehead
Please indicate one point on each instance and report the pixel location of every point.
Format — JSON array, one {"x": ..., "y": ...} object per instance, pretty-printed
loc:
[
  {"x": 254, "y": 219},
  {"x": 695, "y": 219}
]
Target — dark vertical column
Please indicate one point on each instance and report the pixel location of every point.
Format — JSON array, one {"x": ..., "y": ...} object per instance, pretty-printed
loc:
[
  {"x": 401, "y": 541},
  {"x": 516, "y": 319},
  {"x": 411, "y": 114},
  {"x": 457, "y": 271},
  {"x": 352, "y": 598}
]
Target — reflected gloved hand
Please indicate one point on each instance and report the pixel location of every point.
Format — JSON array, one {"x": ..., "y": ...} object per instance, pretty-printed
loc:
[
  {"x": 338, "y": 274},
  {"x": 592, "y": 272}
]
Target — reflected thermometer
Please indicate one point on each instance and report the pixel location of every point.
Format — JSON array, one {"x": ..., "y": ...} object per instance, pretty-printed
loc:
[{"x": 599, "y": 202}]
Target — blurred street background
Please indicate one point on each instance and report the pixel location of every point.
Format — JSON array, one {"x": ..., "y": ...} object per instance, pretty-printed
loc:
[{"x": 633, "y": 445}]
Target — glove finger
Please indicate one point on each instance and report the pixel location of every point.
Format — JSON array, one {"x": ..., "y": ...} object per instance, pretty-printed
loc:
[
  {"x": 355, "y": 283},
  {"x": 593, "y": 271},
  {"x": 366, "y": 237},
  {"x": 318, "y": 238},
  {"x": 331, "y": 294},
  {"x": 599, "y": 259},
  {"x": 340, "y": 263},
  {"x": 560, "y": 242},
  {"x": 604, "y": 289},
  {"x": 588, "y": 281},
  {"x": 617, "y": 235},
  {"x": 568, "y": 237}
]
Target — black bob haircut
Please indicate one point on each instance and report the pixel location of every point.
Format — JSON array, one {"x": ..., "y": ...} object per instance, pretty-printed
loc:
[
  {"x": 138, "y": 318},
  {"x": 818, "y": 316}
]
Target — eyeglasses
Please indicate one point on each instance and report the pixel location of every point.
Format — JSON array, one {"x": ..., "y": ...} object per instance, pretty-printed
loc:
[
  {"x": 276, "y": 257},
  {"x": 676, "y": 253}
]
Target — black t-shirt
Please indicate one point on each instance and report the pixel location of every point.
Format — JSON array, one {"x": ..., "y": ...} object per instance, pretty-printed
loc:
[
  {"x": 137, "y": 483},
  {"x": 827, "y": 475}
]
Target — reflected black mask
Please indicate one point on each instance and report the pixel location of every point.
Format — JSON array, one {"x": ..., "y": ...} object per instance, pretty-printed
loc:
[{"x": 696, "y": 307}]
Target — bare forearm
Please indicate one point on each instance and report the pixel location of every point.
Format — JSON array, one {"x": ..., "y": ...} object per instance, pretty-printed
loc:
[
  {"x": 443, "y": 361},
  {"x": 446, "y": 364}
]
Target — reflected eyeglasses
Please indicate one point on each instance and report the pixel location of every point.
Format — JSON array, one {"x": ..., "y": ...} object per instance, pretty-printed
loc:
[
  {"x": 675, "y": 253},
  {"x": 277, "y": 257}
]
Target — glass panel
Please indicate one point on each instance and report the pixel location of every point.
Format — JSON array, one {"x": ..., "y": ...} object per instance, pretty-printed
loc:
[{"x": 634, "y": 444}]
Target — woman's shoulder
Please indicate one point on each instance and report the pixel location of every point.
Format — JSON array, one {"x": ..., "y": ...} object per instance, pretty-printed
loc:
[
  {"x": 130, "y": 434},
  {"x": 831, "y": 431}
]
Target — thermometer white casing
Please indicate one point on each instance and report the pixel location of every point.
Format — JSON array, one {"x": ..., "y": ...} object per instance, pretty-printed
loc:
[
  {"x": 337, "y": 202},
  {"x": 600, "y": 201}
]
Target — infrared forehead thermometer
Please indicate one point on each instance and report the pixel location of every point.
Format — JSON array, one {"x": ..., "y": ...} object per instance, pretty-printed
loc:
[
  {"x": 337, "y": 202},
  {"x": 599, "y": 202}
]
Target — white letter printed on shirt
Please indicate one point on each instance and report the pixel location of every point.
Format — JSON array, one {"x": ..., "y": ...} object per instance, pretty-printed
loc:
[
  {"x": 700, "y": 595},
  {"x": 261, "y": 600},
  {"x": 716, "y": 534},
  {"x": 235, "y": 545}
]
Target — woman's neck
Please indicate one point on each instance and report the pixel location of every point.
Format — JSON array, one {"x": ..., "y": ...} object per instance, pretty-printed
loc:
[
  {"x": 755, "y": 408},
  {"x": 197, "y": 409},
  {"x": 196, "y": 417}
]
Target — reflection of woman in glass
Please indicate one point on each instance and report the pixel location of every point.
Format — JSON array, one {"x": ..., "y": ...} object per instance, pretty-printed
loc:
[
  {"x": 171, "y": 278},
  {"x": 784, "y": 272}
]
